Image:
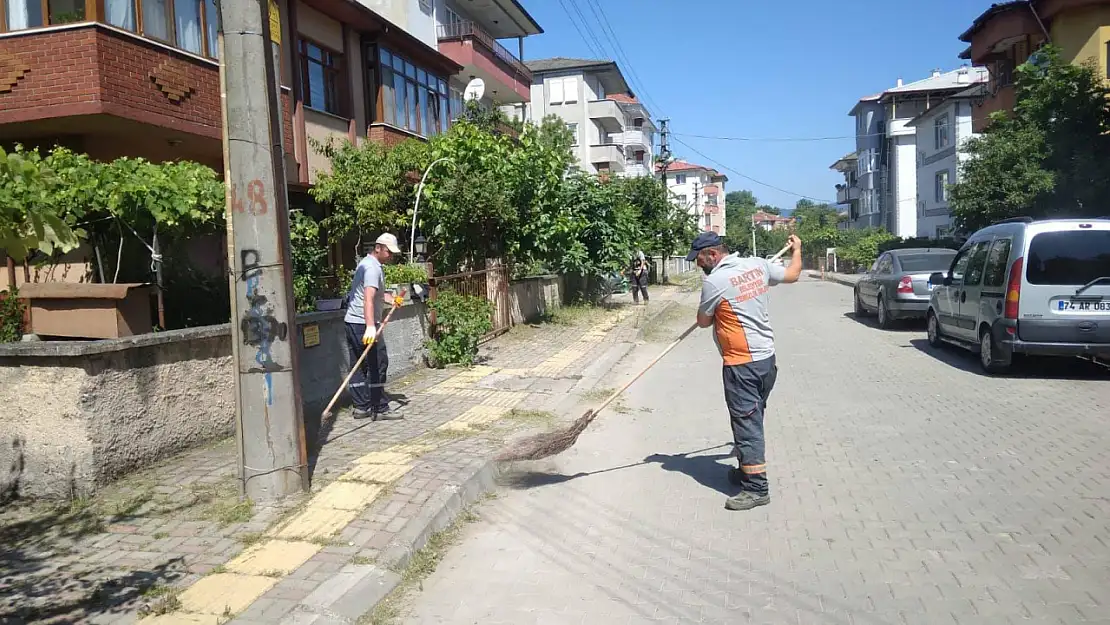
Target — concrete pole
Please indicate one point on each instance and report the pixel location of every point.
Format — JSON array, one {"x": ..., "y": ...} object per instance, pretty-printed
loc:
[{"x": 270, "y": 425}]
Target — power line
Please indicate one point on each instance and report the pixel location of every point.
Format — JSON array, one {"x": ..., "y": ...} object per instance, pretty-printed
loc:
[
  {"x": 570, "y": 17},
  {"x": 749, "y": 178},
  {"x": 595, "y": 47},
  {"x": 801, "y": 139},
  {"x": 615, "y": 44}
]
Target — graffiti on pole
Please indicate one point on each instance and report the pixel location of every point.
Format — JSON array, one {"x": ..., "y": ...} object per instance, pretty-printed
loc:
[{"x": 258, "y": 326}]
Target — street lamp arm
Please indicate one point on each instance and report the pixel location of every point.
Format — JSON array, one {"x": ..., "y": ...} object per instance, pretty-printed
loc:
[{"x": 416, "y": 206}]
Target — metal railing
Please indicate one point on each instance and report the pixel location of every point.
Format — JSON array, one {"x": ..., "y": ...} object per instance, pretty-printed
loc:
[
  {"x": 467, "y": 29},
  {"x": 491, "y": 285}
]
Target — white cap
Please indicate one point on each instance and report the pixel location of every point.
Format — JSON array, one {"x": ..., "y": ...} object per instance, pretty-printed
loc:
[{"x": 389, "y": 241}]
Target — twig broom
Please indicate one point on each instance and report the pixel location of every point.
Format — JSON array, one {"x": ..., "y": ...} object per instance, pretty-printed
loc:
[{"x": 553, "y": 443}]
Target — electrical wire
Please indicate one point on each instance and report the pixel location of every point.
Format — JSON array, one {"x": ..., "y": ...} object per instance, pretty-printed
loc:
[
  {"x": 749, "y": 178},
  {"x": 622, "y": 56},
  {"x": 594, "y": 51}
]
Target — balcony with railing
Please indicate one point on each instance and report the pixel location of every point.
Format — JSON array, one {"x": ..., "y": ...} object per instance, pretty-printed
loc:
[{"x": 481, "y": 55}]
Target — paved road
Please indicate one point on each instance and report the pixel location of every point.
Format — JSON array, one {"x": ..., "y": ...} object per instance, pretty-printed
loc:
[{"x": 906, "y": 489}]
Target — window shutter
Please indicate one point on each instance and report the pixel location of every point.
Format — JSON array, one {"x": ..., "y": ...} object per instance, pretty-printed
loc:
[
  {"x": 570, "y": 90},
  {"x": 556, "y": 87}
]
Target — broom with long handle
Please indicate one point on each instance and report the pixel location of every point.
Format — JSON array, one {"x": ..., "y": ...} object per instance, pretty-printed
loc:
[
  {"x": 397, "y": 301},
  {"x": 549, "y": 444}
]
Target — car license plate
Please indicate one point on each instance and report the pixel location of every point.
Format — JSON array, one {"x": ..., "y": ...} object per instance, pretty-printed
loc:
[{"x": 1080, "y": 306}]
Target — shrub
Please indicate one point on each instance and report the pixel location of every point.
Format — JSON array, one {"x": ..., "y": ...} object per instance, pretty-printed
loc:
[
  {"x": 405, "y": 274},
  {"x": 11, "y": 317},
  {"x": 461, "y": 321}
]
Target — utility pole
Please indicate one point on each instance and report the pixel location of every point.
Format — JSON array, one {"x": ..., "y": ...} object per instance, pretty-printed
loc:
[
  {"x": 697, "y": 212},
  {"x": 269, "y": 424},
  {"x": 665, "y": 156}
]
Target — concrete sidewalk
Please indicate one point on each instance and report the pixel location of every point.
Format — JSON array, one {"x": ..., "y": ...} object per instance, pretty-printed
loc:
[
  {"x": 847, "y": 279},
  {"x": 174, "y": 545}
]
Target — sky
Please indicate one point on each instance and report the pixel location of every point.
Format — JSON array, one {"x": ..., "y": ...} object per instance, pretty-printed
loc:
[{"x": 760, "y": 69}]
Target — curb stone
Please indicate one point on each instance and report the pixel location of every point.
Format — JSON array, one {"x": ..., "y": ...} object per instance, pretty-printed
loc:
[{"x": 832, "y": 278}]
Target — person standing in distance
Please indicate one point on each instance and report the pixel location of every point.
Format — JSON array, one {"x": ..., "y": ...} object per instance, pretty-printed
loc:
[
  {"x": 640, "y": 270},
  {"x": 734, "y": 301},
  {"x": 365, "y": 309}
]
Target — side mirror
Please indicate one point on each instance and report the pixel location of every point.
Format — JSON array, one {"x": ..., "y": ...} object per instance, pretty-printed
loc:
[{"x": 938, "y": 278}]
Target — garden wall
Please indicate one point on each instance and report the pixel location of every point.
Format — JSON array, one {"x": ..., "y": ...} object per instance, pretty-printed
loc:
[
  {"x": 77, "y": 415},
  {"x": 533, "y": 298}
]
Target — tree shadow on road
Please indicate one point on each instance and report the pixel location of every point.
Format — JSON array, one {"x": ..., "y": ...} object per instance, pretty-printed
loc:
[
  {"x": 705, "y": 470},
  {"x": 1041, "y": 368}
]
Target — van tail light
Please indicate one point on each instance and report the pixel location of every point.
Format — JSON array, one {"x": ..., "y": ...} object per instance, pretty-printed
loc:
[
  {"x": 1013, "y": 289},
  {"x": 905, "y": 285}
]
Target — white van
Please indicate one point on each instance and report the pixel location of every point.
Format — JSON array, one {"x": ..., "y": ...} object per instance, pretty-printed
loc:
[{"x": 1026, "y": 287}]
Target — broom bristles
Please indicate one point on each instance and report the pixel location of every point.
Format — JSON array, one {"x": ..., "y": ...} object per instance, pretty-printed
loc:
[{"x": 547, "y": 444}]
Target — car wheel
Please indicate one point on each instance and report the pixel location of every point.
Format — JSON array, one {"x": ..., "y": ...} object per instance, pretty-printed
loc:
[
  {"x": 859, "y": 308},
  {"x": 987, "y": 356},
  {"x": 885, "y": 322},
  {"x": 932, "y": 325}
]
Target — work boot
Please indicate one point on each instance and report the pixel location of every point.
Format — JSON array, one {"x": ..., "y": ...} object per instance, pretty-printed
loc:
[
  {"x": 359, "y": 413},
  {"x": 385, "y": 413},
  {"x": 747, "y": 500}
]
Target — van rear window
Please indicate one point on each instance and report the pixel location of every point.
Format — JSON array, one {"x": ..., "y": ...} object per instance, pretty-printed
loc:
[{"x": 1072, "y": 257}]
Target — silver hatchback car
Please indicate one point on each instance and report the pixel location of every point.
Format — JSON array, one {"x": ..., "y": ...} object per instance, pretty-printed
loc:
[{"x": 1027, "y": 287}]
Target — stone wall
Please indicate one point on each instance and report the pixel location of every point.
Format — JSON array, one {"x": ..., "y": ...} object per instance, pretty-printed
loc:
[{"x": 77, "y": 415}]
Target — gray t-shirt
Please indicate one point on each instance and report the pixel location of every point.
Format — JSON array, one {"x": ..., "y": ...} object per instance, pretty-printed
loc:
[
  {"x": 368, "y": 273},
  {"x": 735, "y": 295}
]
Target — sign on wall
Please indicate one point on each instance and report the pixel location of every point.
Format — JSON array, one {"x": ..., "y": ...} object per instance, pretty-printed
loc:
[{"x": 311, "y": 334}]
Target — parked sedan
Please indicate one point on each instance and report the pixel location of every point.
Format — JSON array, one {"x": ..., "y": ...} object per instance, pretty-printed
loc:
[{"x": 897, "y": 286}]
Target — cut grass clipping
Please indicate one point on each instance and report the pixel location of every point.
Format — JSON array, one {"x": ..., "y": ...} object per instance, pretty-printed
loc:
[{"x": 422, "y": 564}]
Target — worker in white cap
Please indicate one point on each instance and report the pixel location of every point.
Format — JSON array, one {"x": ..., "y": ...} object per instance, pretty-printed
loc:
[{"x": 365, "y": 308}]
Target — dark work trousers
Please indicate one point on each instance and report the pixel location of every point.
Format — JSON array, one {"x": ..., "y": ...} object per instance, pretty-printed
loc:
[
  {"x": 746, "y": 390},
  {"x": 367, "y": 386},
  {"x": 639, "y": 285}
]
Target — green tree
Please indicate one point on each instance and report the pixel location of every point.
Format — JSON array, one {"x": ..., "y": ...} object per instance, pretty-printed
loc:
[
  {"x": 1050, "y": 157},
  {"x": 370, "y": 185},
  {"x": 31, "y": 217}
]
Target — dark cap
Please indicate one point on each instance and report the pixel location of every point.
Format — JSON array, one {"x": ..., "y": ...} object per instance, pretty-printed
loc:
[{"x": 703, "y": 241}]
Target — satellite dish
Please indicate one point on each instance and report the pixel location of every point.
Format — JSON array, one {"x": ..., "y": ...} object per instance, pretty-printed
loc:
[{"x": 475, "y": 89}]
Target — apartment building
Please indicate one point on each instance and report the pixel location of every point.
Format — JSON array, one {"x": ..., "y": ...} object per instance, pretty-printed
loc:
[
  {"x": 1004, "y": 36},
  {"x": 613, "y": 131},
  {"x": 141, "y": 77},
  {"x": 941, "y": 133},
  {"x": 886, "y": 155},
  {"x": 700, "y": 190}
]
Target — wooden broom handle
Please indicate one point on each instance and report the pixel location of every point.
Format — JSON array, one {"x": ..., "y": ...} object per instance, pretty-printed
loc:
[{"x": 358, "y": 363}]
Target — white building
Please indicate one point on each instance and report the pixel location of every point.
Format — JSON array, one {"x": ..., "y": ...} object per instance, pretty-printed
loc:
[
  {"x": 885, "y": 181},
  {"x": 941, "y": 133},
  {"x": 701, "y": 191},
  {"x": 613, "y": 130}
]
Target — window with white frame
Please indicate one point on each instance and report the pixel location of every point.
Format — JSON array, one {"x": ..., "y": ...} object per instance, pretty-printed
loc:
[
  {"x": 680, "y": 178},
  {"x": 941, "y": 132},
  {"x": 681, "y": 199},
  {"x": 573, "y": 128},
  {"x": 562, "y": 90},
  {"x": 942, "y": 186}
]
